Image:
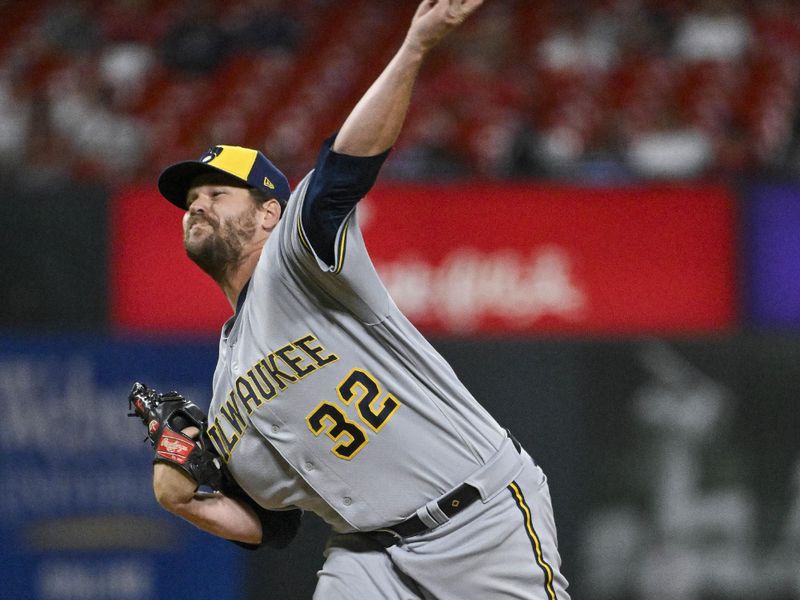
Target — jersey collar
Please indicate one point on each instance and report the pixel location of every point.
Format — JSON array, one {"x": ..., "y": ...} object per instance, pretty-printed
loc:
[{"x": 239, "y": 302}]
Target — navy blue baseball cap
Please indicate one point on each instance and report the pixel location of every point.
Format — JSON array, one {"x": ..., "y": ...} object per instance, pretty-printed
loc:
[{"x": 249, "y": 166}]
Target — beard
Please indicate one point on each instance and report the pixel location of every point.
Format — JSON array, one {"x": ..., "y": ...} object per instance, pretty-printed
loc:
[{"x": 220, "y": 250}]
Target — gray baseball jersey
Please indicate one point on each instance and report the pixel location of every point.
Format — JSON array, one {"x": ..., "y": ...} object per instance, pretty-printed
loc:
[{"x": 326, "y": 398}]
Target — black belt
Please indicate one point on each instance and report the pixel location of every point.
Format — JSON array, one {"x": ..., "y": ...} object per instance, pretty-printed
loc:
[
  {"x": 451, "y": 504},
  {"x": 460, "y": 498}
]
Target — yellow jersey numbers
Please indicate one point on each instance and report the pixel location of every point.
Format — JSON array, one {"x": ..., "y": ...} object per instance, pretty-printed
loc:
[{"x": 374, "y": 409}]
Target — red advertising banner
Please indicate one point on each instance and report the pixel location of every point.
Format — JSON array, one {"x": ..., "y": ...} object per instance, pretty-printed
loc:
[{"x": 489, "y": 259}]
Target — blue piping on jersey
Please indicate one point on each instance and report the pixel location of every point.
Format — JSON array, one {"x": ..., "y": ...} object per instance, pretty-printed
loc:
[{"x": 239, "y": 303}]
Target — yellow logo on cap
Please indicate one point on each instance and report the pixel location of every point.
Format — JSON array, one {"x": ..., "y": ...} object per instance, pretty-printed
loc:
[{"x": 269, "y": 184}]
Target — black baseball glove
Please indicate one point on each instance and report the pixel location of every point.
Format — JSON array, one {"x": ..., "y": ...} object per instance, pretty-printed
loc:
[{"x": 165, "y": 416}]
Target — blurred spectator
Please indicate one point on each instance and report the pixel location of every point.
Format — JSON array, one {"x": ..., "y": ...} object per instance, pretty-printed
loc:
[
  {"x": 486, "y": 44},
  {"x": 15, "y": 120},
  {"x": 645, "y": 29},
  {"x": 433, "y": 150},
  {"x": 734, "y": 152},
  {"x": 492, "y": 143},
  {"x": 583, "y": 40},
  {"x": 123, "y": 69},
  {"x": 131, "y": 28},
  {"x": 565, "y": 88},
  {"x": 288, "y": 143},
  {"x": 48, "y": 160},
  {"x": 603, "y": 158},
  {"x": 718, "y": 30},
  {"x": 560, "y": 149},
  {"x": 71, "y": 26},
  {"x": 264, "y": 25},
  {"x": 523, "y": 153},
  {"x": 196, "y": 43},
  {"x": 672, "y": 149},
  {"x": 134, "y": 21},
  {"x": 82, "y": 114}
]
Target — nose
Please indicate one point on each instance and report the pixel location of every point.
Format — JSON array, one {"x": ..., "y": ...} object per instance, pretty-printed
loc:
[{"x": 199, "y": 204}]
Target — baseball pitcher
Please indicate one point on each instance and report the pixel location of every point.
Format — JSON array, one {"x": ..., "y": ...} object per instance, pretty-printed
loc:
[{"x": 326, "y": 398}]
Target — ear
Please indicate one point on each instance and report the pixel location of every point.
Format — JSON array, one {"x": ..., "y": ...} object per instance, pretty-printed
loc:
[{"x": 270, "y": 214}]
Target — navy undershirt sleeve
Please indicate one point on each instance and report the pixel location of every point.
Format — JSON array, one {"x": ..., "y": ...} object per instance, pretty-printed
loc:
[{"x": 339, "y": 181}]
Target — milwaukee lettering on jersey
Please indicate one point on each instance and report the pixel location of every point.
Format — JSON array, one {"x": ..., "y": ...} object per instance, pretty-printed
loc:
[{"x": 261, "y": 383}]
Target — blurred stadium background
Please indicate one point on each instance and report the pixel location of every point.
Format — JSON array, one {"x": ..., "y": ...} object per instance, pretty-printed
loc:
[{"x": 594, "y": 212}]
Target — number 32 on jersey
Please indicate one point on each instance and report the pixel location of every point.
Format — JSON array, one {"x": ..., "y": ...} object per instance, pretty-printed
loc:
[{"x": 374, "y": 408}]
